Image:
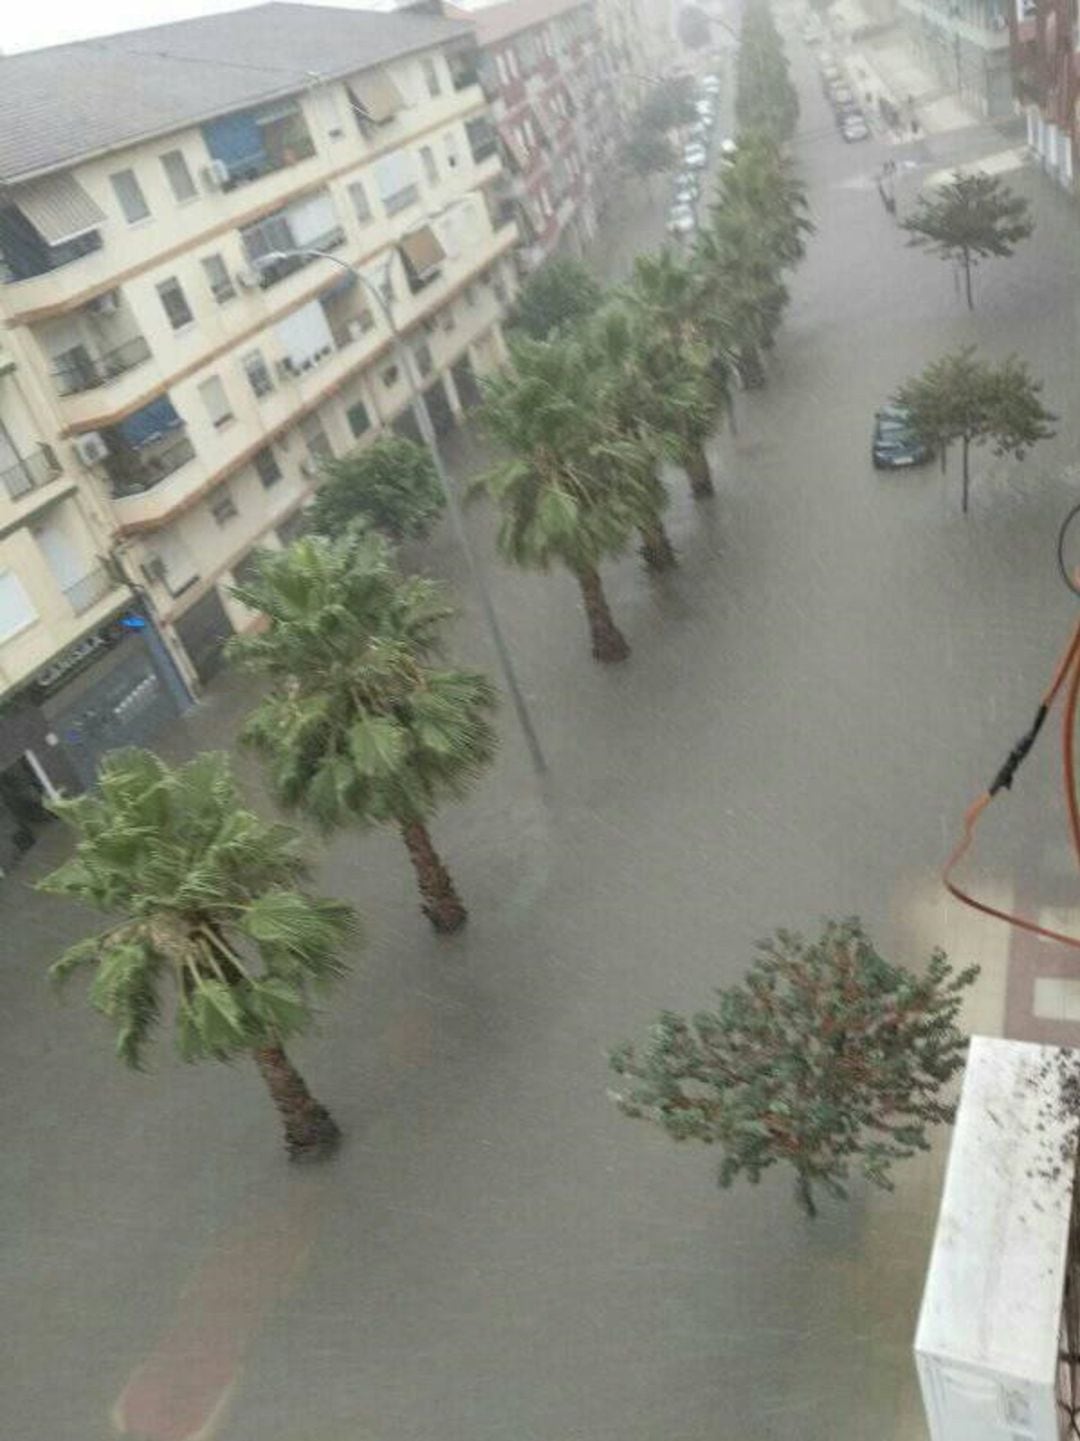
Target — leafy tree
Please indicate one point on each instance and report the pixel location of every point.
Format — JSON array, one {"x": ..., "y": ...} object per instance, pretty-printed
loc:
[
  {"x": 392, "y": 485},
  {"x": 760, "y": 182},
  {"x": 360, "y": 727},
  {"x": 555, "y": 297},
  {"x": 209, "y": 900},
  {"x": 648, "y": 152},
  {"x": 693, "y": 27},
  {"x": 961, "y": 398},
  {"x": 668, "y": 103},
  {"x": 827, "y": 1057},
  {"x": 968, "y": 219},
  {"x": 765, "y": 99},
  {"x": 570, "y": 488}
]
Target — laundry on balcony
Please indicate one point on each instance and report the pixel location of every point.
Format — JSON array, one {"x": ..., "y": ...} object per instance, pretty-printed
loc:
[{"x": 150, "y": 423}]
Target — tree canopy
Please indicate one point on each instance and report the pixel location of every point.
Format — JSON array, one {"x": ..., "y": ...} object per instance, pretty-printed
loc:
[
  {"x": 555, "y": 297},
  {"x": 969, "y": 218},
  {"x": 648, "y": 152},
  {"x": 962, "y": 398},
  {"x": 765, "y": 98},
  {"x": 392, "y": 485},
  {"x": 826, "y": 1058}
]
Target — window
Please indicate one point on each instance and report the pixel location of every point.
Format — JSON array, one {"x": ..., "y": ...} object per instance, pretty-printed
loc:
[
  {"x": 293, "y": 527},
  {"x": 427, "y": 160},
  {"x": 482, "y": 137},
  {"x": 171, "y": 564},
  {"x": 266, "y": 467},
  {"x": 512, "y": 62},
  {"x": 450, "y": 147},
  {"x": 178, "y": 175},
  {"x": 213, "y": 396},
  {"x": 222, "y": 506},
  {"x": 128, "y": 192},
  {"x": 360, "y": 203},
  {"x": 424, "y": 363},
  {"x": 16, "y": 610},
  {"x": 257, "y": 372},
  {"x": 218, "y": 278},
  {"x": 431, "y": 78},
  {"x": 501, "y": 68},
  {"x": 358, "y": 418},
  {"x": 175, "y": 303},
  {"x": 395, "y": 177},
  {"x": 315, "y": 438},
  {"x": 390, "y": 376}
]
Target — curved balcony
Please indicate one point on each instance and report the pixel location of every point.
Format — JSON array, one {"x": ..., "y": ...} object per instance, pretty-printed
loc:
[{"x": 85, "y": 371}]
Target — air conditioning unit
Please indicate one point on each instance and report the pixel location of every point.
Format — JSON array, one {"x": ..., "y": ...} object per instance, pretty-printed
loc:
[
  {"x": 91, "y": 448},
  {"x": 357, "y": 329},
  {"x": 107, "y": 304},
  {"x": 247, "y": 277},
  {"x": 309, "y": 467},
  {"x": 215, "y": 175}
]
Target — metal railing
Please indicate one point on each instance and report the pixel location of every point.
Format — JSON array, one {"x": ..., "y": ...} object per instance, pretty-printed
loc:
[
  {"x": 30, "y": 472},
  {"x": 87, "y": 591},
  {"x": 132, "y": 472},
  {"x": 87, "y": 372}
]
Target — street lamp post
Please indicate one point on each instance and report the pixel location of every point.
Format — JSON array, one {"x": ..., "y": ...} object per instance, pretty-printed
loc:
[{"x": 422, "y": 416}]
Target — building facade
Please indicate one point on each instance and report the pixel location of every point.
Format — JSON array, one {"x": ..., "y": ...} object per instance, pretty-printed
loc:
[
  {"x": 1046, "y": 75},
  {"x": 183, "y": 360},
  {"x": 549, "y": 76},
  {"x": 966, "y": 45}
]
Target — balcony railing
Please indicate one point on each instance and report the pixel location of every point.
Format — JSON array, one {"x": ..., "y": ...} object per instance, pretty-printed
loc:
[
  {"x": 132, "y": 472},
  {"x": 270, "y": 272},
  {"x": 30, "y": 472},
  {"x": 89, "y": 590},
  {"x": 87, "y": 372}
]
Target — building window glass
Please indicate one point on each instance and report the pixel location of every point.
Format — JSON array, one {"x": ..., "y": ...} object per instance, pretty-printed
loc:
[
  {"x": 427, "y": 160},
  {"x": 129, "y": 194},
  {"x": 213, "y": 396},
  {"x": 431, "y": 79},
  {"x": 502, "y": 69},
  {"x": 450, "y": 147},
  {"x": 266, "y": 467},
  {"x": 390, "y": 376},
  {"x": 178, "y": 175},
  {"x": 257, "y": 372},
  {"x": 175, "y": 302},
  {"x": 358, "y": 418},
  {"x": 360, "y": 203},
  {"x": 395, "y": 176},
  {"x": 218, "y": 278},
  {"x": 222, "y": 506}
]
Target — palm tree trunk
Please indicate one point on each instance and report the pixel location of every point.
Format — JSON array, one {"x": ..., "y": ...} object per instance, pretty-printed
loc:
[
  {"x": 966, "y": 476},
  {"x": 442, "y": 904},
  {"x": 656, "y": 549},
  {"x": 696, "y": 464},
  {"x": 751, "y": 368},
  {"x": 804, "y": 1194},
  {"x": 310, "y": 1130},
  {"x": 608, "y": 642},
  {"x": 967, "y": 280}
]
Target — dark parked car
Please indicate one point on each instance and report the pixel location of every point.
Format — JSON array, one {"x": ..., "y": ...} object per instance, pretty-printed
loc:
[{"x": 895, "y": 443}]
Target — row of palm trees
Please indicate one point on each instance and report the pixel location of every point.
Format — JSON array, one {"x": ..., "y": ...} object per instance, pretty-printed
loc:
[
  {"x": 586, "y": 416},
  {"x": 362, "y": 721}
]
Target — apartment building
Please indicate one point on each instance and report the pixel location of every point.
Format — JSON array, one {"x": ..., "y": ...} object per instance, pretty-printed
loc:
[
  {"x": 1045, "y": 39},
  {"x": 189, "y": 360},
  {"x": 548, "y": 73},
  {"x": 966, "y": 45}
]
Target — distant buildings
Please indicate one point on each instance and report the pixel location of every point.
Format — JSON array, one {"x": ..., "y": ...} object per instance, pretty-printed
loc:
[
  {"x": 1044, "y": 40},
  {"x": 966, "y": 45}
]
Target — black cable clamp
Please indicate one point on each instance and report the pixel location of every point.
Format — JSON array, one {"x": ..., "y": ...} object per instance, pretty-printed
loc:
[{"x": 1004, "y": 778}]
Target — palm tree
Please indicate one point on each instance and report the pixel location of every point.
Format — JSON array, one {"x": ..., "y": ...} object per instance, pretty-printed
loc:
[
  {"x": 742, "y": 293},
  {"x": 570, "y": 490},
  {"x": 686, "y": 357},
  {"x": 392, "y": 485},
  {"x": 760, "y": 180},
  {"x": 208, "y": 898},
  {"x": 359, "y": 727}
]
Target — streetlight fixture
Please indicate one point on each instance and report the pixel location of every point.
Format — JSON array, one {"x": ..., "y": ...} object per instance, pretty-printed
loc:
[{"x": 421, "y": 415}]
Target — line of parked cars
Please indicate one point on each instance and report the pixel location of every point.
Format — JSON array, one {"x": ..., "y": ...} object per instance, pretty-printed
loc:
[
  {"x": 697, "y": 138},
  {"x": 850, "y": 120}
]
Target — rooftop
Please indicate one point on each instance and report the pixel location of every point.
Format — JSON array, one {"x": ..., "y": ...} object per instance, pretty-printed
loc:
[
  {"x": 69, "y": 102},
  {"x": 498, "y": 22}
]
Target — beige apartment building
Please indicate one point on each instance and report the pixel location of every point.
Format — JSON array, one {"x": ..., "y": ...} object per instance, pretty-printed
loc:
[{"x": 170, "y": 388}]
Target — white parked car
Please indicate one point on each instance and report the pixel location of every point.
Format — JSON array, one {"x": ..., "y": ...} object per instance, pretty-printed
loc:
[
  {"x": 706, "y": 110},
  {"x": 711, "y": 85},
  {"x": 695, "y": 157},
  {"x": 682, "y": 220},
  {"x": 728, "y": 149}
]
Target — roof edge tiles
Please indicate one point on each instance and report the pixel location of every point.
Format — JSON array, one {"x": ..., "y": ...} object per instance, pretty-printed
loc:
[{"x": 126, "y": 89}]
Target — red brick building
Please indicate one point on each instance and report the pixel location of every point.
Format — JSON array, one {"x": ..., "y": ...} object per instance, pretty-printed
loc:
[
  {"x": 548, "y": 77},
  {"x": 1046, "y": 67}
]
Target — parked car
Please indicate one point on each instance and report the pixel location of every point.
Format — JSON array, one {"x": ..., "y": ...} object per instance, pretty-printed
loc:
[
  {"x": 831, "y": 75},
  {"x": 685, "y": 197},
  {"x": 687, "y": 180},
  {"x": 706, "y": 110},
  {"x": 681, "y": 220},
  {"x": 710, "y": 84},
  {"x": 698, "y": 133},
  {"x": 695, "y": 156},
  {"x": 895, "y": 444},
  {"x": 854, "y": 127},
  {"x": 841, "y": 96}
]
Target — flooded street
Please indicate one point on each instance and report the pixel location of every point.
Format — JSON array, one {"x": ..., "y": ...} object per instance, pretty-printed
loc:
[{"x": 837, "y": 668}]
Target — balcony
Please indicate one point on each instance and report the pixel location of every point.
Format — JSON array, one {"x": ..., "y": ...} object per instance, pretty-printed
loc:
[
  {"x": 30, "y": 472},
  {"x": 249, "y": 144},
  {"x": 79, "y": 370},
  {"x": 86, "y": 592},
  {"x": 132, "y": 471},
  {"x": 483, "y": 139}
]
